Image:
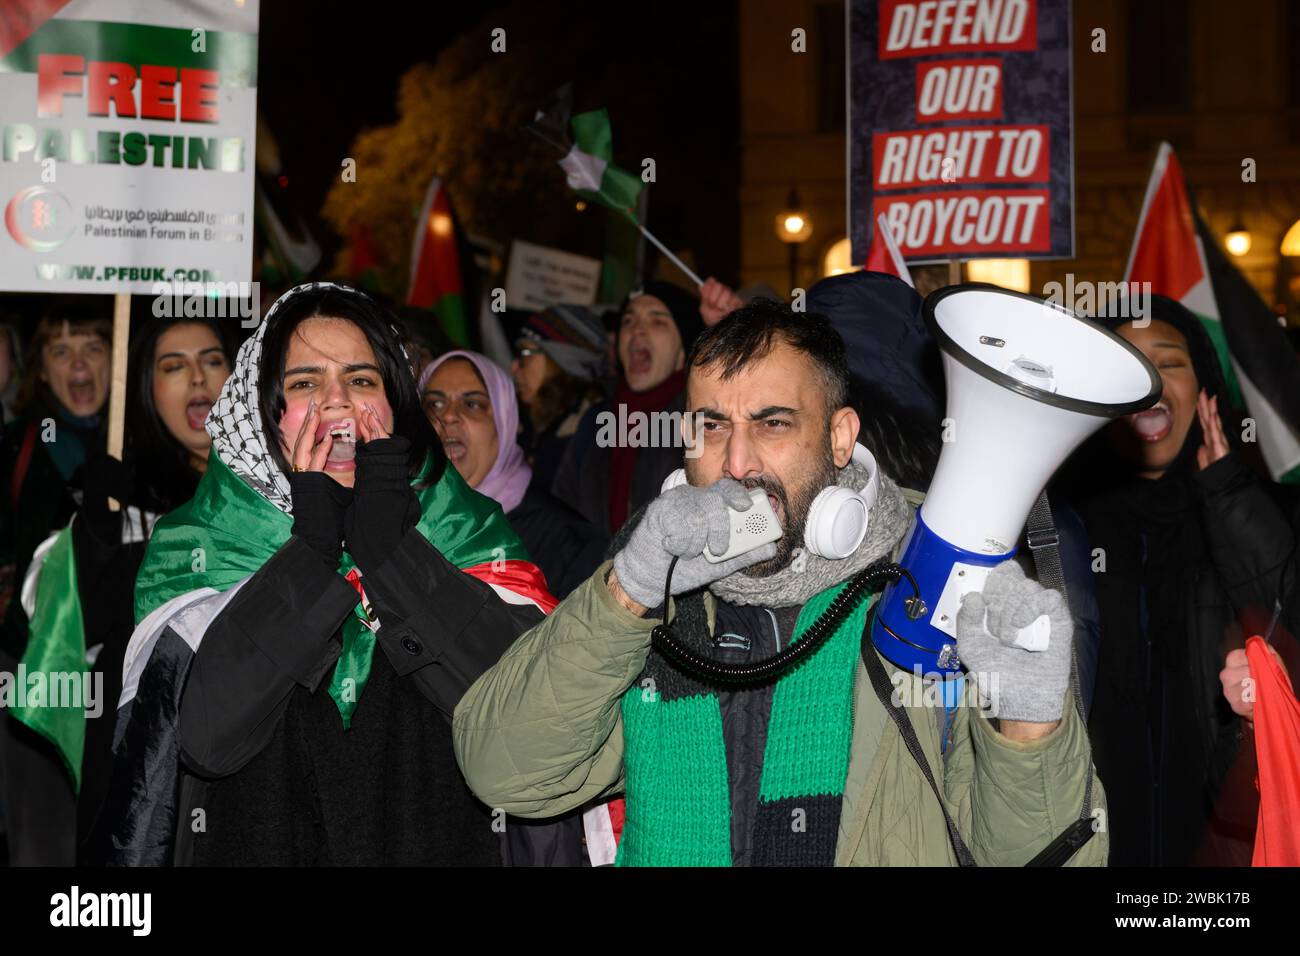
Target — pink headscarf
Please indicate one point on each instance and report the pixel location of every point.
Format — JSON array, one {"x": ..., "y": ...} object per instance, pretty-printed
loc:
[{"x": 508, "y": 478}]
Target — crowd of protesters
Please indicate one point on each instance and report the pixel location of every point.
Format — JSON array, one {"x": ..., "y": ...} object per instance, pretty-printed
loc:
[{"x": 319, "y": 591}]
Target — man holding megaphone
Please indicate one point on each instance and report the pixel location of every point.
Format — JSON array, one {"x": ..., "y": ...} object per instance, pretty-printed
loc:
[{"x": 749, "y": 719}]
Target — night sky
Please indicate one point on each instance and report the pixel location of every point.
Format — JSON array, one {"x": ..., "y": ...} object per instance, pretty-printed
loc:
[{"x": 667, "y": 74}]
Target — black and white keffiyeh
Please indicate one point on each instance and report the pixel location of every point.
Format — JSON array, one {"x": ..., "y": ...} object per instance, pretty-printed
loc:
[{"x": 235, "y": 421}]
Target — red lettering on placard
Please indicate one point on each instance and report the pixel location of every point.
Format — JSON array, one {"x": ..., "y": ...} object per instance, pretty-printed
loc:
[
  {"x": 57, "y": 75},
  {"x": 968, "y": 222},
  {"x": 919, "y": 27},
  {"x": 111, "y": 82}
]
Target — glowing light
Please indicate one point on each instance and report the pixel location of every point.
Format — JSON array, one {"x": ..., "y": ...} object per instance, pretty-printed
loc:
[{"x": 1010, "y": 274}]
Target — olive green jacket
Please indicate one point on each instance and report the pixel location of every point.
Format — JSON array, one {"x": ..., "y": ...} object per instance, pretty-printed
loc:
[{"x": 541, "y": 734}]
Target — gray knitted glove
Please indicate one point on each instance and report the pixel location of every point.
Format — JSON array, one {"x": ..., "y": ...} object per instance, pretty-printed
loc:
[
  {"x": 681, "y": 522},
  {"x": 1019, "y": 684}
]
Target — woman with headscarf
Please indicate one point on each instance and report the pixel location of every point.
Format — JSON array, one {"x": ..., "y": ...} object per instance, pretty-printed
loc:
[
  {"x": 309, "y": 620},
  {"x": 609, "y": 480},
  {"x": 470, "y": 401},
  {"x": 79, "y": 588},
  {"x": 1192, "y": 547}
]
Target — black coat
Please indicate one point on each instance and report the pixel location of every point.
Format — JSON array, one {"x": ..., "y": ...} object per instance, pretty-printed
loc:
[
  {"x": 583, "y": 480},
  {"x": 263, "y": 751},
  {"x": 564, "y": 544},
  {"x": 1179, "y": 590}
]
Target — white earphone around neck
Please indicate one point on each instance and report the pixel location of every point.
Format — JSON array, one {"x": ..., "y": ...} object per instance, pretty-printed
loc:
[{"x": 838, "y": 519}]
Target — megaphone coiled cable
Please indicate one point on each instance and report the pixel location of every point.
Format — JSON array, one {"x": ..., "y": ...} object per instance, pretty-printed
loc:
[{"x": 708, "y": 671}]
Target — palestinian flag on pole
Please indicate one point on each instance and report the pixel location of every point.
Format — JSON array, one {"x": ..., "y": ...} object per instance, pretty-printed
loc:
[
  {"x": 586, "y": 147},
  {"x": 435, "y": 265},
  {"x": 884, "y": 255},
  {"x": 1175, "y": 252}
]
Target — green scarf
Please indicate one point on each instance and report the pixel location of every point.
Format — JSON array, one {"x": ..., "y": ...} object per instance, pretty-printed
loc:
[
  {"x": 677, "y": 791},
  {"x": 227, "y": 531}
]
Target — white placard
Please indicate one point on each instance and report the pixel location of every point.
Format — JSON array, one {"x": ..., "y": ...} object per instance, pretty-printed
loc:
[
  {"x": 539, "y": 277},
  {"x": 127, "y": 134}
]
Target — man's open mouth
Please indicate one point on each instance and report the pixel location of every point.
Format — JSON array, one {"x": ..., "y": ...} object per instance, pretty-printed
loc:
[{"x": 638, "y": 360}]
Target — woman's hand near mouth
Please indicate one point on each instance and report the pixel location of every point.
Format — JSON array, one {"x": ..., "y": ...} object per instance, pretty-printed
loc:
[
  {"x": 1216, "y": 443},
  {"x": 370, "y": 425},
  {"x": 308, "y": 454}
]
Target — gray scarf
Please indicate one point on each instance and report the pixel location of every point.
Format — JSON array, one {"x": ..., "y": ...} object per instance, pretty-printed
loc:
[{"x": 807, "y": 574}]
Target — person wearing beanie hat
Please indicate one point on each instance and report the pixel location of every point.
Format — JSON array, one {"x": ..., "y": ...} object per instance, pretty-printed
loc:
[
  {"x": 559, "y": 364},
  {"x": 1197, "y": 552},
  {"x": 659, "y": 323}
]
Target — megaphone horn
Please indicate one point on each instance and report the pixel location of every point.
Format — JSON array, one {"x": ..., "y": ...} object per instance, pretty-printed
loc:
[{"x": 1028, "y": 382}]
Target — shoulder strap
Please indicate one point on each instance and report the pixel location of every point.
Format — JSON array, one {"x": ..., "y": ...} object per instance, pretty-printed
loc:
[
  {"x": 884, "y": 691},
  {"x": 24, "y": 463},
  {"x": 1045, "y": 546}
]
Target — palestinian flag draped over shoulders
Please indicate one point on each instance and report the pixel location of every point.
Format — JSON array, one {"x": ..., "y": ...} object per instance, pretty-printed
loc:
[
  {"x": 1175, "y": 252},
  {"x": 228, "y": 530}
]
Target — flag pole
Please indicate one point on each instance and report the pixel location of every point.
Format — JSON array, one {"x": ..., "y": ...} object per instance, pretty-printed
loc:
[
  {"x": 117, "y": 387},
  {"x": 664, "y": 249}
]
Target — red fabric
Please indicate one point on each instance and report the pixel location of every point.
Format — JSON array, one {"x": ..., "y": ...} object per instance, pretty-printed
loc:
[
  {"x": 617, "y": 814},
  {"x": 622, "y": 459},
  {"x": 436, "y": 269},
  {"x": 878, "y": 257},
  {"x": 1277, "y": 747},
  {"x": 522, "y": 577},
  {"x": 1165, "y": 252},
  {"x": 19, "y": 19}
]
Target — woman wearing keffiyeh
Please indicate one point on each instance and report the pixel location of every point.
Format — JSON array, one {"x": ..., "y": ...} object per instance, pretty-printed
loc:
[{"x": 323, "y": 602}]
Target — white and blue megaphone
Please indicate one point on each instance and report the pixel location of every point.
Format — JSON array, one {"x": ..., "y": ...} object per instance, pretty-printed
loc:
[{"x": 1028, "y": 381}]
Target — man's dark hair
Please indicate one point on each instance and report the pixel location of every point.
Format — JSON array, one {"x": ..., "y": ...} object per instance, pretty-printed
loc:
[{"x": 752, "y": 331}]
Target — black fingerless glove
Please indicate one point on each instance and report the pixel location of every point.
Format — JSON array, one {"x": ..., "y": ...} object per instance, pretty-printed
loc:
[
  {"x": 385, "y": 506},
  {"x": 319, "y": 506}
]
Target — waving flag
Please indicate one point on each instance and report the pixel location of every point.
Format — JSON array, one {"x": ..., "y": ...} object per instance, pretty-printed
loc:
[
  {"x": 1174, "y": 251},
  {"x": 884, "y": 256},
  {"x": 435, "y": 265}
]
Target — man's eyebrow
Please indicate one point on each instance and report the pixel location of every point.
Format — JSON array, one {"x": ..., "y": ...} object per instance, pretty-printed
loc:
[
  {"x": 771, "y": 410},
  {"x": 361, "y": 367},
  {"x": 304, "y": 370},
  {"x": 714, "y": 415},
  {"x": 1168, "y": 345}
]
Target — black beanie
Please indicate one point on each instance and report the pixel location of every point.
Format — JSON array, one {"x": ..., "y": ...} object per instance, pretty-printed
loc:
[{"x": 684, "y": 307}]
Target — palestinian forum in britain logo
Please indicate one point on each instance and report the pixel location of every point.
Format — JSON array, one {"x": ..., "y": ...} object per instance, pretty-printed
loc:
[{"x": 39, "y": 218}]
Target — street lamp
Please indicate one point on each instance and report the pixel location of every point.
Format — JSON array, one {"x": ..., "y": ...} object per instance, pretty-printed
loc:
[
  {"x": 793, "y": 226},
  {"x": 1238, "y": 239}
]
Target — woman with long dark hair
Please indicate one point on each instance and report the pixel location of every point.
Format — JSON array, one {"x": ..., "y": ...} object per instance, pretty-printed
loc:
[
  {"x": 310, "y": 619},
  {"x": 79, "y": 588}
]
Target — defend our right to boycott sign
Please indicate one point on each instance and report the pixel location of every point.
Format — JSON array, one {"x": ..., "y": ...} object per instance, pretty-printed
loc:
[{"x": 960, "y": 127}]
